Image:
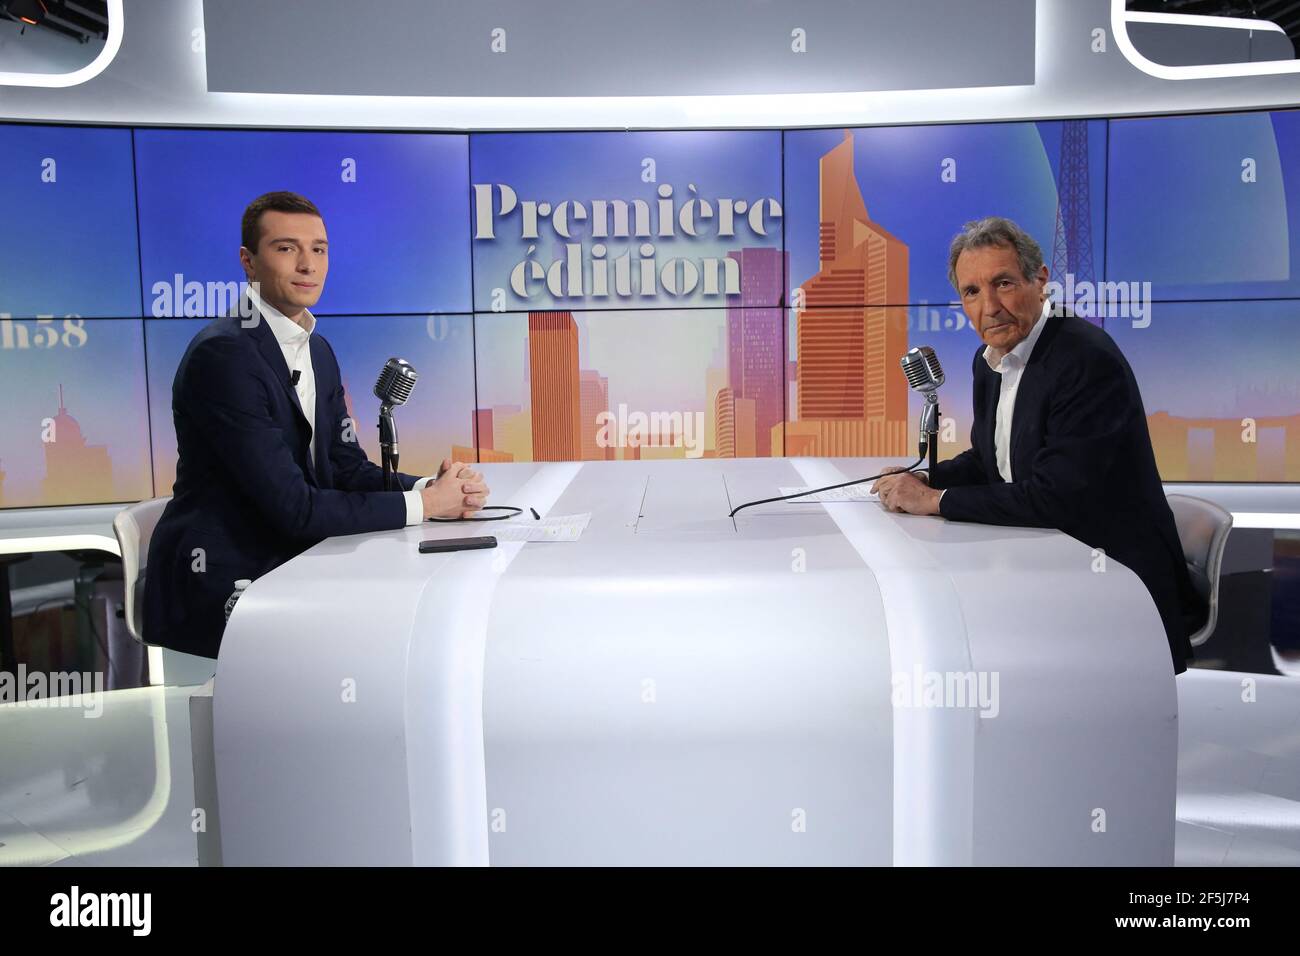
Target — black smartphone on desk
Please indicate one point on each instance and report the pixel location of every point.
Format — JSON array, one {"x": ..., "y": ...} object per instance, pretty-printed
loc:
[{"x": 457, "y": 544}]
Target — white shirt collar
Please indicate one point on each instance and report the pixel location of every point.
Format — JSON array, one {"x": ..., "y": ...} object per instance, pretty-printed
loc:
[
  {"x": 285, "y": 330},
  {"x": 1026, "y": 347}
]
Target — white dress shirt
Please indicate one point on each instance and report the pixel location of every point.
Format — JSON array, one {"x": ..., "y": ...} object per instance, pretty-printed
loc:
[
  {"x": 294, "y": 342},
  {"x": 1011, "y": 366}
]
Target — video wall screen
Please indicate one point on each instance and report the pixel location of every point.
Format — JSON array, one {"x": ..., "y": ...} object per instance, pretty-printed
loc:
[
  {"x": 625, "y": 220},
  {"x": 75, "y": 427},
  {"x": 394, "y": 205},
  {"x": 68, "y": 233},
  {"x": 1218, "y": 380},
  {"x": 624, "y": 295},
  {"x": 1206, "y": 207}
]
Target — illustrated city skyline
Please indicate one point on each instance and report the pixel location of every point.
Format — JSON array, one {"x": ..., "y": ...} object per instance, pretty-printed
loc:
[
  {"x": 76, "y": 471},
  {"x": 820, "y": 379},
  {"x": 850, "y": 395}
]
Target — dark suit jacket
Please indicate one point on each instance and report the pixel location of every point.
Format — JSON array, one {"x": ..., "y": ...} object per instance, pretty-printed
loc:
[
  {"x": 247, "y": 492},
  {"x": 1082, "y": 462}
]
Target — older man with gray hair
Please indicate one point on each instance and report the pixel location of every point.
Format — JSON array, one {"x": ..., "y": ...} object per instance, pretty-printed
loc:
[{"x": 1060, "y": 436}]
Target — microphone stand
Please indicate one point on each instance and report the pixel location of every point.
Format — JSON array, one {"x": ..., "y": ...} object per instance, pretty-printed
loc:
[
  {"x": 930, "y": 430},
  {"x": 388, "y": 446}
]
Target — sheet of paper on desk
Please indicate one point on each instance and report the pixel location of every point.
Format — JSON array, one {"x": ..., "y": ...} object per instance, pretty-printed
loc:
[
  {"x": 550, "y": 528},
  {"x": 851, "y": 493}
]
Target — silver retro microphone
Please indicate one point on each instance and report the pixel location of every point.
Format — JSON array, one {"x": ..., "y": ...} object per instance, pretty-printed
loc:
[
  {"x": 393, "y": 387},
  {"x": 925, "y": 375}
]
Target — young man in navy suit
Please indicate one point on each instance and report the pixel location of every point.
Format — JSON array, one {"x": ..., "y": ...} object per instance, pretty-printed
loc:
[
  {"x": 269, "y": 463},
  {"x": 1060, "y": 437}
]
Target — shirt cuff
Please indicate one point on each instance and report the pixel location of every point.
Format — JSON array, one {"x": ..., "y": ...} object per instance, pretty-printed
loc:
[{"x": 415, "y": 502}]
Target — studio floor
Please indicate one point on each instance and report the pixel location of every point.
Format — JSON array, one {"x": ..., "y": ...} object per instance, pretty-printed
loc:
[{"x": 118, "y": 790}]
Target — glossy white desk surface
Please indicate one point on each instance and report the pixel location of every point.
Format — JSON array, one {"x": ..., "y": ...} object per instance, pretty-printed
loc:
[
  {"x": 679, "y": 688},
  {"x": 70, "y": 528}
]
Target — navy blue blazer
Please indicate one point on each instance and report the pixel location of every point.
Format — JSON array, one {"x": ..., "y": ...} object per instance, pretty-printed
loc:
[
  {"x": 1082, "y": 462},
  {"x": 248, "y": 494}
]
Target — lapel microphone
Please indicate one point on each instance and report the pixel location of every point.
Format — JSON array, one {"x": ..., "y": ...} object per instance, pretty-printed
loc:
[{"x": 293, "y": 379}]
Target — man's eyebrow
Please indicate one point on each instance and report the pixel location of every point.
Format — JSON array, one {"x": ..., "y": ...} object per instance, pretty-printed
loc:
[{"x": 314, "y": 242}]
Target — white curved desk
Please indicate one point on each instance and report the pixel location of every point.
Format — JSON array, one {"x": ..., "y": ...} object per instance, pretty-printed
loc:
[{"x": 678, "y": 689}]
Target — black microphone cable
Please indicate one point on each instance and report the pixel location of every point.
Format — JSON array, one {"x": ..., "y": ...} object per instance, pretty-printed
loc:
[
  {"x": 509, "y": 508},
  {"x": 844, "y": 484}
]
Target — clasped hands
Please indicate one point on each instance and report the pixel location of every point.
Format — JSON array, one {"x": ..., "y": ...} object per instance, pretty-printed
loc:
[
  {"x": 902, "y": 490},
  {"x": 457, "y": 492}
]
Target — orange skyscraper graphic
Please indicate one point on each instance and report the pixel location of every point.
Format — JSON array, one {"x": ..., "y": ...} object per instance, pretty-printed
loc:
[
  {"x": 74, "y": 471},
  {"x": 554, "y": 384},
  {"x": 735, "y": 426},
  {"x": 852, "y": 328},
  {"x": 593, "y": 404}
]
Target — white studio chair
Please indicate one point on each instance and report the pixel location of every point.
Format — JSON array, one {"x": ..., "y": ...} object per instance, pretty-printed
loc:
[
  {"x": 134, "y": 527},
  {"x": 1203, "y": 530}
]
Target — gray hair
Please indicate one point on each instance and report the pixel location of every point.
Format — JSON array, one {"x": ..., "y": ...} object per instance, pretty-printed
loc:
[{"x": 995, "y": 231}]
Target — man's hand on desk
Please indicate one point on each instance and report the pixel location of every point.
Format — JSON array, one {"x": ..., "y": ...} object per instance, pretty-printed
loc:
[
  {"x": 901, "y": 490},
  {"x": 457, "y": 492}
]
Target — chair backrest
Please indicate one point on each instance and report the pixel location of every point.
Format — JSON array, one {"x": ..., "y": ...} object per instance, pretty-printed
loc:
[
  {"x": 1203, "y": 531},
  {"x": 134, "y": 527}
]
